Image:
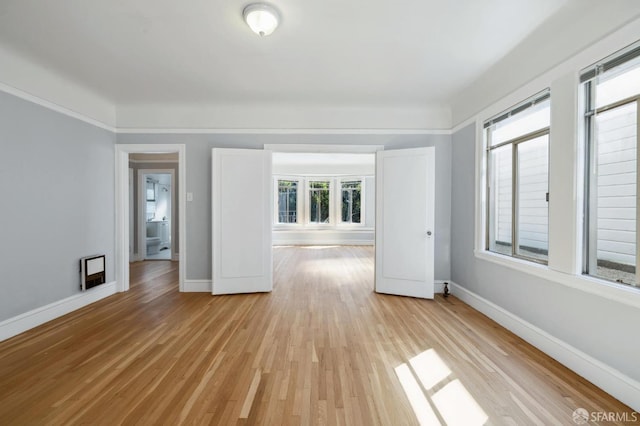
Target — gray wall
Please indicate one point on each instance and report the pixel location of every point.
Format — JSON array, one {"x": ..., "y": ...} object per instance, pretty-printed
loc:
[
  {"x": 597, "y": 326},
  {"x": 57, "y": 186},
  {"x": 198, "y": 181}
]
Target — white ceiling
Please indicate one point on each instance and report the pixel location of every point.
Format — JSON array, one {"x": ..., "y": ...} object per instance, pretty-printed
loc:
[{"x": 330, "y": 52}]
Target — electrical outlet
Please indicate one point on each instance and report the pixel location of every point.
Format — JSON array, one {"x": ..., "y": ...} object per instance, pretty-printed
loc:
[{"x": 189, "y": 196}]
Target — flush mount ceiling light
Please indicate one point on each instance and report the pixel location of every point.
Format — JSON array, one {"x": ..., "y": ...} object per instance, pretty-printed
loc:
[{"x": 261, "y": 18}]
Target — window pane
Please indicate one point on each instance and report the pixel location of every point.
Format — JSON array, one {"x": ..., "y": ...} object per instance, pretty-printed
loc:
[
  {"x": 351, "y": 201},
  {"x": 346, "y": 205},
  {"x": 533, "y": 210},
  {"x": 531, "y": 119},
  {"x": 319, "y": 201},
  {"x": 500, "y": 206},
  {"x": 618, "y": 83},
  {"x": 287, "y": 201},
  {"x": 613, "y": 193}
]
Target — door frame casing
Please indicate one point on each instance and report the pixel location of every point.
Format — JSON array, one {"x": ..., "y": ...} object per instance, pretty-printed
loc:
[{"x": 122, "y": 152}]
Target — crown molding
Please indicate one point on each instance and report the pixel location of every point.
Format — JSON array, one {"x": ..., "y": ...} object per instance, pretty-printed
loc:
[
  {"x": 286, "y": 131},
  {"x": 274, "y": 131},
  {"x": 55, "y": 107}
]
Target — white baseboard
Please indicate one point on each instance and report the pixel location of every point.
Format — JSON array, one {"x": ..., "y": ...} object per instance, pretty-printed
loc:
[
  {"x": 135, "y": 258},
  {"x": 438, "y": 286},
  {"x": 327, "y": 242},
  {"x": 204, "y": 286},
  {"x": 197, "y": 286},
  {"x": 23, "y": 322},
  {"x": 602, "y": 375}
]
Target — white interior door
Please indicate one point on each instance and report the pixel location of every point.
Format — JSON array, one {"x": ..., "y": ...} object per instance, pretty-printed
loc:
[
  {"x": 404, "y": 222},
  {"x": 242, "y": 221}
]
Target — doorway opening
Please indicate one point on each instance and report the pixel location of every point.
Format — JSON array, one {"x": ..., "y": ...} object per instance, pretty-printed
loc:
[
  {"x": 155, "y": 219},
  {"x": 150, "y": 201},
  {"x": 323, "y": 199},
  {"x": 243, "y": 211}
]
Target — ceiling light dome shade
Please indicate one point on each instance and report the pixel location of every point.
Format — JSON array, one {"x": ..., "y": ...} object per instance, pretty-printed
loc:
[{"x": 261, "y": 18}]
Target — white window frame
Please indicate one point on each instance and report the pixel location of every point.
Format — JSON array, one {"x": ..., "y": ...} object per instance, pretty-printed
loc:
[
  {"x": 565, "y": 252},
  {"x": 588, "y": 86},
  {"x": 542, "y": 96},
  {"x": 307, "y": 198},
  {"x": 338, "y": 203},
  {"x": 299, "y": 199}
]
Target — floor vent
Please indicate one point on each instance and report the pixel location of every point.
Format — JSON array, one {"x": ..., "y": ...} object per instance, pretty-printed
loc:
[{"x": 92, "y": 271}]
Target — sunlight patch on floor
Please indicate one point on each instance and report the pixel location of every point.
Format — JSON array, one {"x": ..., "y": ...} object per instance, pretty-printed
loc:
[
  {"x": 453, "y": 404},
  {"x": 457, "y": 407},
  {"x": 429, "y": 368},
  {"x": 417, "y": 399}
]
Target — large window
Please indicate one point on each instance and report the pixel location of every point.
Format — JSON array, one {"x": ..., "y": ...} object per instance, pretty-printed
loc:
[
  {"x": 314, "y": 202},
  {"x": 518, "y": 180},
  {"x": 351, "y": 204},
  {"x": 287, "y": 201},
  {"x": 612, "y": 93},
  {"x": 319, "y": 201}
]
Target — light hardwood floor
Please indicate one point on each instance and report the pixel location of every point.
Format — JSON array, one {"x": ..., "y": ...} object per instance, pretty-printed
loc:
[{"x": 322, "y": 348}]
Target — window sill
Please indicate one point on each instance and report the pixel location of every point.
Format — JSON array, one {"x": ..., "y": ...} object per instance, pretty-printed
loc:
[
  {"x": 323, "y": 229},
  {"x": 285, "y": 226},
  {"x": 354, "y": 226},
  {"x": 620, "y": 293}
]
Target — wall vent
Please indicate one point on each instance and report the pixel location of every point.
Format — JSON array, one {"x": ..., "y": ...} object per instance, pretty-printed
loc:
[{"x": 92, "y": 271}]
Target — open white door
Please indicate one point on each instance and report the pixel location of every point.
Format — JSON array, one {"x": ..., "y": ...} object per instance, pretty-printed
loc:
[
  {"x": 241, "y": 195},
  {"x": 404, "y": 222}
]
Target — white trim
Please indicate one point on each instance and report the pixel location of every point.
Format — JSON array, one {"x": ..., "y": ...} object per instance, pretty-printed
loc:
[
  {"x": 438, "y": 286},
  {"x": 28, "y": 320},
  {"x": 322, "y": 148},
  {"x": 620, "y": 293},
  {"x": 181, "y": 131},
  {"x": 175, "y": 257},
  {"x": 463, "y": 124},
  {"x": 152, "y": 161},
  {"x": 328, "y": 242},
  {"x": 204, "y": 286},
  {"x": 295, "y": 229},
  {"x": 323, "y": 175},
  {"x": 197, "y": 286},
  {"x": 132, "y": 216},
  {"x": 284, "y": 131},
  {"x": 54, "y": 107},
  {"x": 122, "y": 152},
  {"x": 602, "y": 375}
]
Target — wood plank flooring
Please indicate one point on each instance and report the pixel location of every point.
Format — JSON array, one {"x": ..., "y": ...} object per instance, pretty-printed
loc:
[{"x": 322, "y": 348}]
